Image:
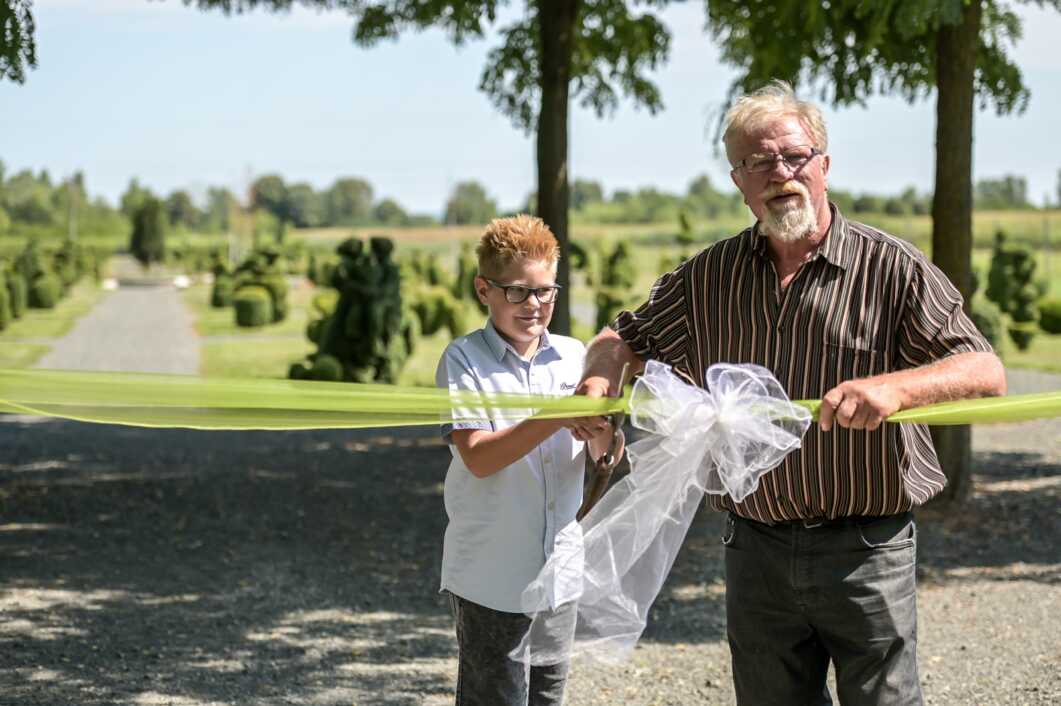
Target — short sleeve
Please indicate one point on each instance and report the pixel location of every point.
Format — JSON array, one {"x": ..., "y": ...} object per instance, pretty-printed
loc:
[
  {"x": 454, "y": 373},
  {"x": 658, "y": 328},
  {"x": 933, "y": 323}
]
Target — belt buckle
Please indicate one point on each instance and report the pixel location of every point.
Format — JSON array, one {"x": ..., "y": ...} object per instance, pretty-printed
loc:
[{"x": 811, "y": 524}]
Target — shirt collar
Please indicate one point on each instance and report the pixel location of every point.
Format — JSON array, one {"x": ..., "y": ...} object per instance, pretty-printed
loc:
[
  {"x": 834, "y": 248},
  {"x": 499, "y": 345}
]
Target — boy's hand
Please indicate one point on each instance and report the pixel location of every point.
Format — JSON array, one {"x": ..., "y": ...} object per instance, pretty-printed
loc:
[{"x": 585, "y": 428}]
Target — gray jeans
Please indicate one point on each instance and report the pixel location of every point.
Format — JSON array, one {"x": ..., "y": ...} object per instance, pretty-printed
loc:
[
  {"x": 798, "y": 597},
  {"x": 485, "y": 674}
]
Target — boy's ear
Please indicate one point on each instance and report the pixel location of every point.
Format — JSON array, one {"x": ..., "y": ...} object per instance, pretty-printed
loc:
[{"x": 481, "y": 287}]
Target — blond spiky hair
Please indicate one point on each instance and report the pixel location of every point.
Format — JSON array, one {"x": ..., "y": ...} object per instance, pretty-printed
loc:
[
  {"x": 774, "y": 100},
  {"x": 509, "y": 240}
]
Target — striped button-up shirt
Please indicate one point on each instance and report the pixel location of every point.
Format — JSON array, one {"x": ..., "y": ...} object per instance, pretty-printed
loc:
[{"x": 866, "y": 303}]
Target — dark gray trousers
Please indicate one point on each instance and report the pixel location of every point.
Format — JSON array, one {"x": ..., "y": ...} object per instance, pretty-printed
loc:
[
  {"x": 798, "y": 597},
  {"x": 485, "y": 674}
]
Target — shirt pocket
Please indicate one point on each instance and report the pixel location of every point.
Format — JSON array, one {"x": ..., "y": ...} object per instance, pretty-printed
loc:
[{"x": 848, "y": 362}]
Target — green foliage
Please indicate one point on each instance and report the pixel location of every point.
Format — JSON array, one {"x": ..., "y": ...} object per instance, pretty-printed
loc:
[
  {"x": 349, "y": 202},
  {"x": 45, "y": 291},
  {"x": 254, "y": 306},
  {"x": 988, "y": 318},
  {"x": 853, "y": 49},
  {"x": 361, "y": 333},
  {"x": 5, "y": 303},
  {"x": 148, "y": 240},
  {"x": 222, "y": 291},
  {"x": 389, "y": 212},
  {"x": 182, "y": 212},
  {"x": 18, "y": 48},
  {"x": 469, "y": 204},
  {"x": 264, "y": 268},
  {"x": 1009, "y": 192},
  {"x": 18, "y": 294},
  {"x": 1050, "y": 315},
  {"x": 617, "y": 280},
  {"x": 134, "y": 198},
  {"x": 467, "y": 270},
  {"x": 1011, "y": 285}
]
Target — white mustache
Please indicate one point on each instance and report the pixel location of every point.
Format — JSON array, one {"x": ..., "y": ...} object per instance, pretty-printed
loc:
[{"x": 783, "y": 189}]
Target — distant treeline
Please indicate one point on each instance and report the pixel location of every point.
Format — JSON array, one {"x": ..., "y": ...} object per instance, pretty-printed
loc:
[{"x": 35, "y": 204}]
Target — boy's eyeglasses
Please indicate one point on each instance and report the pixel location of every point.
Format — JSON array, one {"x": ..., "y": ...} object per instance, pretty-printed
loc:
[
  {"x": 793, "y": 158},
  {"x": 518, "y": 293}
]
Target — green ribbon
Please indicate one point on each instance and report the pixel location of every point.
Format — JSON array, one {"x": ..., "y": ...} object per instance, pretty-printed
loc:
[{"x": 153, "y": 400}]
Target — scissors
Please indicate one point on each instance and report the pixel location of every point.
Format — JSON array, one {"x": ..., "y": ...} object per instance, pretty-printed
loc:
[{"x": 605, "y": 465}]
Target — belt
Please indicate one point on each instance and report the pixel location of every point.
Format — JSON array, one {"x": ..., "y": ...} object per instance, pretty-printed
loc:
[{"x": 832, "y": 522}]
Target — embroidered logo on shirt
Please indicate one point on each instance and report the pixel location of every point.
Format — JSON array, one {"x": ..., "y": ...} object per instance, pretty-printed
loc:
[{"x": 567, "y": 386}]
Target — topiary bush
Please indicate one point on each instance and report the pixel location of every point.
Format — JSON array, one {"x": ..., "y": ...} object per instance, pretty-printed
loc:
[
  {"x": 1011, "y": 285},
  {"x": 617, "y": 278},
  {"x": 1050, "y": 315},
  {"x": 988, "y": 319},
  {"x": 45, "y": 292},
  {"x": 363, "y": 333},
  {"x": 5, "y": 303},
  {"x": 17, "y": 293},
  {"x": 254, "y": 306},
  {"x": 222, "y": 290},
  {"x": 264, "y": 268}
]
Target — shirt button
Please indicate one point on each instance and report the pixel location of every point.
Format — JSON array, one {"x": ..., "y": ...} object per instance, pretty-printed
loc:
[{"x": 552, "y": 504}]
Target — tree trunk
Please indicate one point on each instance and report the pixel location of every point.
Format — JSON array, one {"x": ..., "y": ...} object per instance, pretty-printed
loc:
[
  {"x": 556, "y": 27},
  {"x": 952, "y": 204}
]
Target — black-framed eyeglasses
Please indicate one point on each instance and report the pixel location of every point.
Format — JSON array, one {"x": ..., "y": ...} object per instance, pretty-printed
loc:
[
  {"x": 518, "y": 293},
  {"x": 794, "y": 158}
]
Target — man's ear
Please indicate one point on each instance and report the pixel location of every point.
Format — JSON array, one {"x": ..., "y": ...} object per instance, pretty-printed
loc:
[{"x": 738, "y": 181}]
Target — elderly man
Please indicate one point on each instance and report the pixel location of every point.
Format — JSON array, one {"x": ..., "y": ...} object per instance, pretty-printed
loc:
[{"x": 820, "y": 559}]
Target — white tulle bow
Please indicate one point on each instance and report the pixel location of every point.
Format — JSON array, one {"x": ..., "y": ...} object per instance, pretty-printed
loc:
[{"x": 716, "y": 440}]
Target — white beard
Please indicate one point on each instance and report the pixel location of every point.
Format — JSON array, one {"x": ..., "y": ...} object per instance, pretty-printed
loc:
[{"x": 792, "y": 224}]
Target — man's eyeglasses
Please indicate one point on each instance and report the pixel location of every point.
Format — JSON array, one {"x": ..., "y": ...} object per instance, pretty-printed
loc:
[
  {"x": 793, "y": 158},
  {"x": 518, "y": 293}
]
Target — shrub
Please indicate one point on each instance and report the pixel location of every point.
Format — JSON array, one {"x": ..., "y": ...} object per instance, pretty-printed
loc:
[
  {"x": 988, "y": 319},
  {"x": 45, "y": 291},
  {"x": 363, "y": 332},
  {"x": 1050, "y": 315},
  {"x": 221, "y": 294},
  {"x": 254, "y": 306},
  {"x": 16, "y": 287},
  {"x": 5, "y": 304}
]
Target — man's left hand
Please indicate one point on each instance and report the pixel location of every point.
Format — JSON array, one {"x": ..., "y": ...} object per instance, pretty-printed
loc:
[{"x": 859, "y": 404}]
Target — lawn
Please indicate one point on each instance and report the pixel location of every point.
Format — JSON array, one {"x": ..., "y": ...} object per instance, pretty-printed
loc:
[
  {"x": 20, "y": 355},
  {"x": 222, "y": 322},
  {"x": 57, "y": 322}
]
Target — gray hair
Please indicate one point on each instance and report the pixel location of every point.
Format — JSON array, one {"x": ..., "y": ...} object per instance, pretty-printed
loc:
[{"x": 775, "y": 100}]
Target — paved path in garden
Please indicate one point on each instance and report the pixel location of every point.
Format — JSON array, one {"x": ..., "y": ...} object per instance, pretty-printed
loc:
[{"x": 140, "y": 328}]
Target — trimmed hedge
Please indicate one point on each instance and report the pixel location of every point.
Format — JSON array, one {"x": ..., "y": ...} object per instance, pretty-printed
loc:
[
  {"x": 19, "y": 296},
  {"x": 1050, "y": 315},
  {"x": 254, "y": 306},
  {"x": 45, "y": 292},
  {"x": 221, "y": 294}
]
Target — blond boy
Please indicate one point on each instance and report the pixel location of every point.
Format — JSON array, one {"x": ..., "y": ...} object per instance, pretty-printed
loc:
[{"x": 512, "y": 489}]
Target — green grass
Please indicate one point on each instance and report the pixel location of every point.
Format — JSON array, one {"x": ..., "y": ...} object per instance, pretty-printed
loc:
[
  {"x": 222, "y": 322},
  {"x": 1044, "y": 353},
  {"x": 252, "y": 359},
  {"x": 20, "y": 355},
  {"x": 57, "y": 322}
]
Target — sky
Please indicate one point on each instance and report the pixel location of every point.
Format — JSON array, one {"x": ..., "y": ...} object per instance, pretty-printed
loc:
[{"x": 185, "y": 99}]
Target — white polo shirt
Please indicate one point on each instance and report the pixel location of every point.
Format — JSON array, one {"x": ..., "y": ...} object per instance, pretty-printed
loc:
[{"x": 503, "y": 527}]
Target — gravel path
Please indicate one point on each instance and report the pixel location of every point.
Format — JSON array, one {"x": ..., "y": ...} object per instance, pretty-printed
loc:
[
  {"x": 147, "y": 330},
  {"x": 190, "y": 568}
]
